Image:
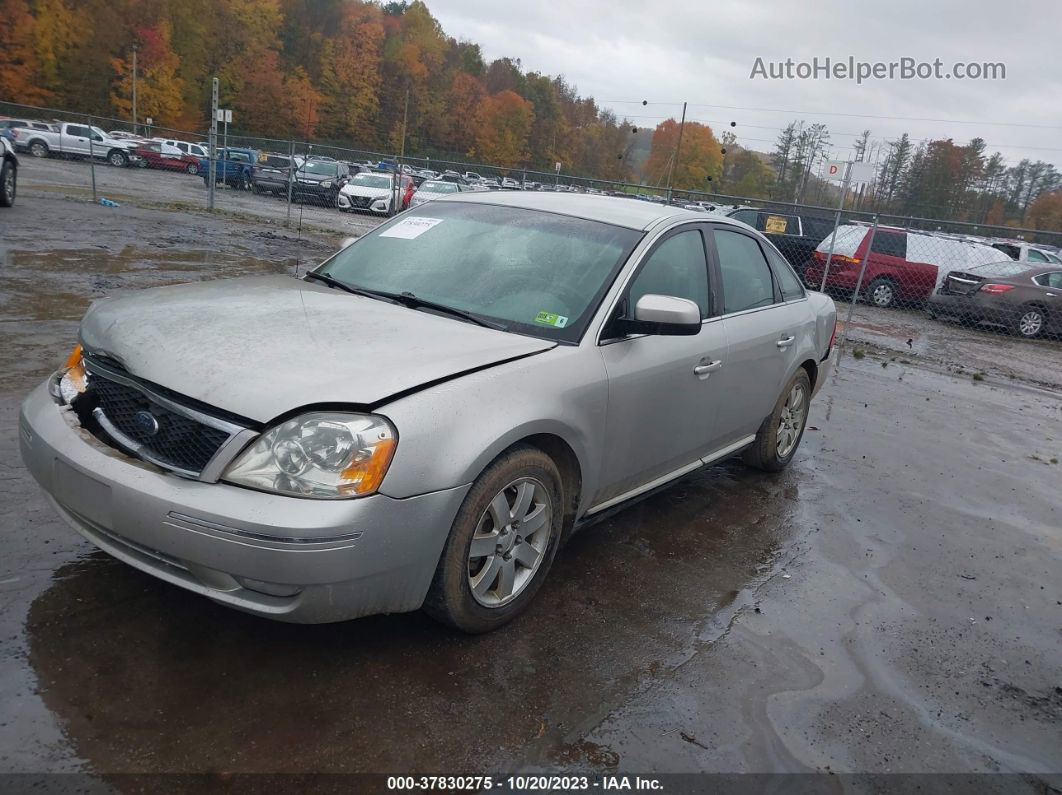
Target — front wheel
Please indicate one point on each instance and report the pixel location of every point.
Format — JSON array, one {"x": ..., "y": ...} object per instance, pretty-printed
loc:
[
  {"x": 141, "y": 163},
  {"x": 501, "y": 545},
  {"x": 780, "y": 434},
  {"x": 118, "y": 159}
]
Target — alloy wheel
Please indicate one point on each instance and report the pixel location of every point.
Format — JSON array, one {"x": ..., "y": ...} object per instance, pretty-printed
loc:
[
  {"x": 791, "y": 422},
  {"x": 510, "y": 542},
  {"x": 1030, "y": 324},
  {"x": 39, "y": 150},
  {"x": 883, "y": 294}
]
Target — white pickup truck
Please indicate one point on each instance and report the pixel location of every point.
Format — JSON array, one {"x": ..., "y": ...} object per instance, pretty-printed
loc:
[{"x": 76, "y": 140}]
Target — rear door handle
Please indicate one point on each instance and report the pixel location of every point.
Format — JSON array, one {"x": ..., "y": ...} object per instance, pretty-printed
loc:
[
  {"x": 785, "y": 342},
  {"x": 706, "y": 369}
]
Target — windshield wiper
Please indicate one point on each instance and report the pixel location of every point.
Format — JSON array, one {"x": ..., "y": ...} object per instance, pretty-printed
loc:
[
  {"x": 413, "y": 302},
  {"x": 331, "y": 281},
  {"x": 406, "y": 299}
]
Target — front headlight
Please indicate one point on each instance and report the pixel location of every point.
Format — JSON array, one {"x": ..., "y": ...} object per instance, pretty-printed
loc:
[
  {"x": 327, "y": 184},
  {"x": 324, "y": 455}
]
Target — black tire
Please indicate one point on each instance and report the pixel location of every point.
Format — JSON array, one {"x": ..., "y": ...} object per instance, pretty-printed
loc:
[
  {"x": 881, "y": 293},
  {"x": 8, "y": 183},
  {"x": 764, "y": 452},
  {"x": 192, "y": 169},
  {"x": 117, "y": 158},
  {"x": 1029, "y": 322},
  {"x": 38, "y": 149},
  {"x": 142, "y": 163},
  {"x": 450, "y": 598}
]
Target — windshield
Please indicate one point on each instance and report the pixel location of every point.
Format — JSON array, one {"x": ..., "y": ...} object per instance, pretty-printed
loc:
[
  {"x": 439, "y": 187},
  {"x": 372, "y": 180},
  {"x": 537, "y": 273},
  {"x": 314, "y": 167},
  {"x": 1000, "y": 269}
]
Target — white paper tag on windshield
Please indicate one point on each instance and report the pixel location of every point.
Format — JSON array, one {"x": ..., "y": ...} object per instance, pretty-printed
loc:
[{"x": 411, "y": 228}]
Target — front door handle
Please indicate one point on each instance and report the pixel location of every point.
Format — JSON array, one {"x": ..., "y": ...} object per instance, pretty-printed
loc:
[
  {"x": 785, "y": 342},
  {"x": 703, "y": 370}
]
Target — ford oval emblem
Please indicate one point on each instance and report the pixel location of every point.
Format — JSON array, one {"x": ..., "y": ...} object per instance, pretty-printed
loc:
[{"x": 146, "y": 423}]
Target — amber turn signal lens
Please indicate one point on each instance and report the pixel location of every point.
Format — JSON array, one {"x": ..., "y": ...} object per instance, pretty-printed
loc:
[
  {"x": 364, "y": 477},
  {"x": 75, "y": 375},
  {"x": 74, "y": 357}
]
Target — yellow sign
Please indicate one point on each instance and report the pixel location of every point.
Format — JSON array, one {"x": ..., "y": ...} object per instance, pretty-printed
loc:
[{"x": 776, "y": 224}]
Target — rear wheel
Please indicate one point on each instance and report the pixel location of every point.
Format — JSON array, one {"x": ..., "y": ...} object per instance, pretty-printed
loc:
[
  {"x": 780, "y": 434},
  {"x": 142, "y": 163},
  {"x": 501, "y": 545},
  {"x": 881, "y": 292},
  {"x": 8, "y": 183},
  {"x": 38, "y": 149},
  {"x": 192, "y": 169},
  {"x": 1029, "y": 322}
]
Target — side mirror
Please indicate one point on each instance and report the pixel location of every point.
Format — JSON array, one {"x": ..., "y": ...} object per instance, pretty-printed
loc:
[{"x": 665, "y": 315}]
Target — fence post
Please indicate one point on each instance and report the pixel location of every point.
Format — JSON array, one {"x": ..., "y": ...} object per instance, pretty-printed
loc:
[
  {"x": 859, "y": 283},
  {"x": 291, "y": 174},
  {"x": 836, "y": 223},
  {"x": 212, "y": 145},
  {"x": 92, "y": 162}
]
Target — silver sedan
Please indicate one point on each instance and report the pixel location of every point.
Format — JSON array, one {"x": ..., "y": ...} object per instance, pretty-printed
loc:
[{"x": 423, "y": 419}]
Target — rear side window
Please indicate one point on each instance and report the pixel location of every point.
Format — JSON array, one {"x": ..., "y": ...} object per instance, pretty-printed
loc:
[
  {"x": 677, "y": 267},
  {"x": 1036, "y": 256},
  {"x": 1011, "y": 251},
  {"x": 74, "y": 129},
  {"x": 774, "y": 224},
  {"x": 1050, "y": 279},
  {"x": 747, "y": 281},
  {"x": 745, "y": 216},
  {"x": 891, "y": 244},
  {"x": 788, "y": 282}
]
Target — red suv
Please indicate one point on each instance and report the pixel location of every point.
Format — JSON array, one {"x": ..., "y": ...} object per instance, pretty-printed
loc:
[{"x": 904, "y": 265}]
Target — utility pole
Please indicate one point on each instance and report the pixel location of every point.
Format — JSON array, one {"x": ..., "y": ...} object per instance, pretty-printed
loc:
[
  {"x": 678, "y": 149},
  {"x": 135, "y": 132},
  {"x": 212, "y": 145}
]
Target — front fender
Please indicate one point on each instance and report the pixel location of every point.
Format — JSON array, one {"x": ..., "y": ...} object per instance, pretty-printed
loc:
[{"x": 449, "y": 433}]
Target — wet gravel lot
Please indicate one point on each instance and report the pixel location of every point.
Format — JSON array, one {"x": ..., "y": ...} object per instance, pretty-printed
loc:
[{"x": 892, "y": 603}]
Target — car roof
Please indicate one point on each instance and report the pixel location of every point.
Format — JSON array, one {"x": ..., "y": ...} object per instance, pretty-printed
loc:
[{"x": 613, "y": 210}]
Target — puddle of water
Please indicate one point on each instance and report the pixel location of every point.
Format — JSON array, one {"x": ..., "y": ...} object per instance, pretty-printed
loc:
[{"x": 45, "y": 293}]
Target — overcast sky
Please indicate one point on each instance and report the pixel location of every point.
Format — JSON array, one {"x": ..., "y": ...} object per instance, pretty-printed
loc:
[{"x": 624, "y": 51}]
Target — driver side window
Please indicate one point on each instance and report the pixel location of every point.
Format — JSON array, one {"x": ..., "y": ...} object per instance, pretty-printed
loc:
[{"x": 676, "y": 267}]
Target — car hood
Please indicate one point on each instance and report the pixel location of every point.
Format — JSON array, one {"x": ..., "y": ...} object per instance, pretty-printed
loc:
[
  {"x": 262, "y": 346},
  {"x": 350, "y": 189},
  {"x": 302, "y": 176}
]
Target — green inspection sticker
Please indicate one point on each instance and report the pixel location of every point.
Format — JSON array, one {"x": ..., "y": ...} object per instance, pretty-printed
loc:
[{"x": 550, "y": 319}]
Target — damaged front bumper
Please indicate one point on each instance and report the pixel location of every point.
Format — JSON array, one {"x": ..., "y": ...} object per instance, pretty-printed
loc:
[{"x": 292, "y": 559}]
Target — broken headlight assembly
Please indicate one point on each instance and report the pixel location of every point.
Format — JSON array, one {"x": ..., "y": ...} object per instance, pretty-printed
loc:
[
  {"x": 323, "y": 455},
  {"x": 71, "y": 380}
]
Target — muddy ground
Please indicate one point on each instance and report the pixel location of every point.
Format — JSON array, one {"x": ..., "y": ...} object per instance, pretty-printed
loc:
[{"x": 892, "y": 603}]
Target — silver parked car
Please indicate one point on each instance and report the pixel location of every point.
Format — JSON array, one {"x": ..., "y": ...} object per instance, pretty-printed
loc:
[{"x": 423, "y": 419}]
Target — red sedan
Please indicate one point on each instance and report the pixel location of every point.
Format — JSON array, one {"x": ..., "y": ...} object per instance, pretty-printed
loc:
[{"x": 157, "y": 155}]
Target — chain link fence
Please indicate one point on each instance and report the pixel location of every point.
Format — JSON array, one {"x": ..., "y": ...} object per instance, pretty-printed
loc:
[{"x": 974, "y": 299}]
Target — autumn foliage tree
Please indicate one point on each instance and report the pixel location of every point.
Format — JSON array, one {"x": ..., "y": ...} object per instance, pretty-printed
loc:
[
  {"x": 699, "y": 156},
  {"x": 1045, "y": 212},
  {"x": 503, "y": 123},
  {"x": 159, "y": 89},
  {"x": 18, "y": 58}
]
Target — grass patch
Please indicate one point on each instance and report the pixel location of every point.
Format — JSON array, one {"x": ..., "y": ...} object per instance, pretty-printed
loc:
[
  {"x": 978, "y": 376},
  {"x": 858, "y": 353}
]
